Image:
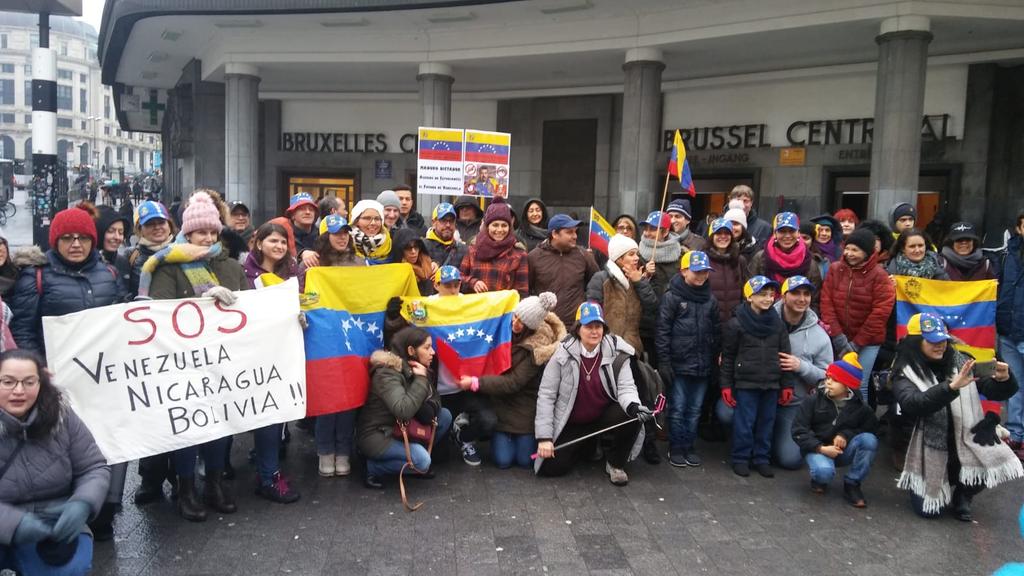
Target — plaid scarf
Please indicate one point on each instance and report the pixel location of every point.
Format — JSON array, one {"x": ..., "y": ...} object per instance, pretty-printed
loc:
[
  {"x": 924, "y": 472},
  {"x": 190, "y": 257}
]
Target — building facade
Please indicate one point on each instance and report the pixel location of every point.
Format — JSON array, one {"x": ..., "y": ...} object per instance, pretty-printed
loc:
[
  {"x": 87, "y": 129},
  {"x": 816, "y": 106}
]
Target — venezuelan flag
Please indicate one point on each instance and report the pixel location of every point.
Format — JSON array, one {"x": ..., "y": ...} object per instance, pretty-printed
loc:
[
  {"x": 968, "y": 309},
  {"x": 679, "y": 167},
  {"x": 441, "y": 144},
  {"x": 600, "y": 231},
  {"x": 344, "y": 309},
  {"x": 472, "y": 333},
  {"x": 487, "y": 147}
]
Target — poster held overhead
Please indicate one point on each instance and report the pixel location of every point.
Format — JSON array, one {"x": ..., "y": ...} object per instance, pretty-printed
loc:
[
  {"x": 439, "y": 160},
  {"x": 487, "y": 163}
]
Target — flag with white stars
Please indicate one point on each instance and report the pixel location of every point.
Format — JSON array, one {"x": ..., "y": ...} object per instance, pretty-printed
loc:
[{"x": 472, "y": 333}]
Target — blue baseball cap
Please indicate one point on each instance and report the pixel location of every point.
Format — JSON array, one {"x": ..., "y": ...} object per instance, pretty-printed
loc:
[
  {"x": 561, "y": 222},
  {"x": 696, "y": 261},
  {"x": 794, "y": 282},
  {"x": 786, "y": 220},
  {"x": 300, "y": 199},
  {"x": 590, "y": 312},
  {"x": 150, "y": 210},
  {"x": 446, "y": 274},
  {"x": 657, "y": 219},
  {"x": 443, "y": 210},
  {"x": 721, "y": 224},
  {"x": 928, "y": 326},
  {"x": 334, "y": 224},
  {"x": 756, "y": 284}
]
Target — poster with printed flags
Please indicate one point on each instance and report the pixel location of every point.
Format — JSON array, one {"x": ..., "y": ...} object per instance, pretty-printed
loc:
[
  {"x": 486, "y": 168},
  {"x": 439, "y": 161}
]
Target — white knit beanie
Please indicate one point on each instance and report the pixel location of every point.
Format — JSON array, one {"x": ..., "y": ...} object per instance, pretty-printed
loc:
[
  {"x": 532, "y": 310},
  {"x": 619, "y": 245},
  {"x": 363, "y": 206},
  {"x": 737, "y": 215}
]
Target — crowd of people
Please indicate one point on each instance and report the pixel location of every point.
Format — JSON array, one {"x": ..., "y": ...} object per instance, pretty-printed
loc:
[{"x": 772, "y": 334}]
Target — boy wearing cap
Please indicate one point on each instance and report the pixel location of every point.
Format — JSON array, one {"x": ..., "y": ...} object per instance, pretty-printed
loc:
[
  {"x": 442, "y": 245},
  {"x": 679, "y": 211},
  {"x": 688, "y": 345},
  {"x": 753, "y": 382},
  {"x": 558, "y": 265},
  {"x": 835, "y": 428}
]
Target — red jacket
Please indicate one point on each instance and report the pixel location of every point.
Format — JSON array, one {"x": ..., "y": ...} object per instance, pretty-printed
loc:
[{"x": 857, "y": 301}]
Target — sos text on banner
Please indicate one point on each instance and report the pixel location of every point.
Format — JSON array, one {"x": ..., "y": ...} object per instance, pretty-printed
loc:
[{"x": 151, "y": 377}]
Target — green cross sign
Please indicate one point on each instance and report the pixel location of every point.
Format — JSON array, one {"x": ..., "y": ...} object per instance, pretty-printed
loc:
[{"x": 154, "y": 106}]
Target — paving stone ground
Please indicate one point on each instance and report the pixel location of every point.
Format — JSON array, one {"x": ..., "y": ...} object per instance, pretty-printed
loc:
[{"x": 483, "y": 521}]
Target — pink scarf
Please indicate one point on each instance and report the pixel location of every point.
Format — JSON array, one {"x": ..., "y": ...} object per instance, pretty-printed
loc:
[{"x": 779, "y": 265}]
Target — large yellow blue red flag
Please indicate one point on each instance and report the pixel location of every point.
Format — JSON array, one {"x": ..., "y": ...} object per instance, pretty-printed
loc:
[
  {"x": 344, "y": 307},
  {"x": 967, "y": 308},
  {"x": 472, "y": 333},
  {"x": 679, "y": 167}
]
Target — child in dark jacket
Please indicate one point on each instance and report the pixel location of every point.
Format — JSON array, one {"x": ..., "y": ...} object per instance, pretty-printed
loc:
[
  {"x": 835, "y": 428},
  {"x": 688, "y": 344},
  {"x": 753, "y": 383}
]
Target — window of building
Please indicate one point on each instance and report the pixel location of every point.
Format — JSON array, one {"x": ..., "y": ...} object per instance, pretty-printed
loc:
[
  {"x": 7, "y": 68},
  {"x": 131, "y": 155},
  {"x": 64, "y": 74},
  {"x": 64, "y": 123},
  {"x": 569, "y": 161},
  {"x": 64, "y": 97},
  {"x": 152, "y": 139},
  {"x": 28, "y": 92},
  {"x": 83, "y": 100},
  {"x": 33, "y": 40},
  {"x": 83, "y": 78},
  {"x": 120, "y": 154},
  {"x": 106, "y": 130},
  {"x": 92, "y": 55},
  {"x": 7, "y": 92},
  {"x": 63, "y": 48},
  {"x": 118, "y": 132},
  {"x": 7, "y": 118},
  {"x": 28, "y": 70},
  {"x": 83, "y": 125},
  {"x": 106, "y": 106},
  {"x": 28, "y": 118},
  {"x": 3, "y": 41}
]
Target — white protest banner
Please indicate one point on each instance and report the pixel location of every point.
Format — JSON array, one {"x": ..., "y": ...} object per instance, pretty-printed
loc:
[
  {"x": 153, "y": 376},
  {"x": 439, "y": 161}
]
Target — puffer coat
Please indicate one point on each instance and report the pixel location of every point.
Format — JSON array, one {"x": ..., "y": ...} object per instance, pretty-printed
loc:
[
  {"x": 727, "y": 279},
  {"x": 857, "y": 301},
  {"x": 395, "y": 394},
  {"x": 689, "y": 335}
]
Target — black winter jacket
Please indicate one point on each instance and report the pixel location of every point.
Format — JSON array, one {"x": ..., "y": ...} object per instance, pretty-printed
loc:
[
  {"x": 751, "y": 363},
  {"x": 818, "y": 420},
  {"x": 688, "y": 332},
  {"x": 916, "y": 404},
  {"x": 64, "y": 289}
]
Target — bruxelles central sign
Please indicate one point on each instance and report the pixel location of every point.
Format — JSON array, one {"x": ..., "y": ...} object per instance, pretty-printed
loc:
[
  {"x": 799, "y": 133},
  {"x": 337, "y": 142}
]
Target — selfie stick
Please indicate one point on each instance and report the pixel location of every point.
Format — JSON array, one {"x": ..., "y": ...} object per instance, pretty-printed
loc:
[{"x": 659, "y": 405}]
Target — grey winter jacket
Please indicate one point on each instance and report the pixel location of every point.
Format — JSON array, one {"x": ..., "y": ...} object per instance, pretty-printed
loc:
[
  {"x": 810, "y": 343},
  {"x": 560, "y": 383},
  {"x": 67, "y": 465}
]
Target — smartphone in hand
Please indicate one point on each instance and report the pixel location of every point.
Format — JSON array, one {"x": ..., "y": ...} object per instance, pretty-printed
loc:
[{"x": 985, "y": 369}]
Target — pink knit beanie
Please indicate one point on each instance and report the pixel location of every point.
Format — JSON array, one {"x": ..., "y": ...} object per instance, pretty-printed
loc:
[{"x": 201, "y": 214}]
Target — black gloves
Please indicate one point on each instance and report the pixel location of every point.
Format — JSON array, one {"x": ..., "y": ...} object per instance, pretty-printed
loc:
[
  {"x": 640, "y": 411},
  {"x": 985, "y": 431},
  {"x": 394, "y": 309}
]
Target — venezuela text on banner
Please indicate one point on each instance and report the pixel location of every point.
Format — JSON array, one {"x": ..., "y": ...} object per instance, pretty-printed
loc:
[{"x": 344, "y": 308}]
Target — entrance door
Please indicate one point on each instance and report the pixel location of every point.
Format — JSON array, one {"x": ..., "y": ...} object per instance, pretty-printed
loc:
[
  {"x": 851, "y": 191},
  {"x": 341, "y": 186}
]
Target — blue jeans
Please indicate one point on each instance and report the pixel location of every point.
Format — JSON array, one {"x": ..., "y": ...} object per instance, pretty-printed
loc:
[
  {"x": 214, "y": 455},
  {"x": 785, "y": 452},
  {"x": 752, "y": 424},
  {"x": 508, "y": 449},
  {"x": 267, "y": 444},
  {"x": 25, "y": 560},
  {"x": 334, "y": 433},
  {"x": 391, "y": 461},
  {"x": 867, "y": 356},
  {"x": 685, "y": 397},
  {"x": 1013, "y": 354},
  {"x": 858, "y": 454}
]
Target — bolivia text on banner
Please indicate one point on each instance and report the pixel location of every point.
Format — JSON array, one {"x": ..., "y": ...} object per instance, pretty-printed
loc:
[
  {"x": 968, "y": 308},
  {"x": 345, "y": 312},
  {"x": 151, "y": 377},
  {"x": 472, "y": 333},
  {"x": 600, "y": 232}
]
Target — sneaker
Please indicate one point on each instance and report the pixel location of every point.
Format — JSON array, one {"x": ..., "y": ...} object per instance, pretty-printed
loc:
[
  {"x": 469, "y": 454},
  {"x": 818, "y": 488},
  {"x": 853, "y": 495},
  {"x": 764, "y": 470},
  {"x": 342, "y": 466},
  {"x": 278, "y": 490},
  {"x": 327, "y": 466},
  {"x": 741, "y": 469},
  {"x": 678, "y": 460},
  {"x": 692, "y": 459},
  {"x": 617, "y": 476}
]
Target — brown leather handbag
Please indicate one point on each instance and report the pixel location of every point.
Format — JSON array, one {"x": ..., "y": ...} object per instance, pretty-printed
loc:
[{"x": 413, "y": 431}]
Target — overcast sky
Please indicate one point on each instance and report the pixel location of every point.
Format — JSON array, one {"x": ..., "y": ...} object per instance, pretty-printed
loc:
[{"x": 92, "y": 12}]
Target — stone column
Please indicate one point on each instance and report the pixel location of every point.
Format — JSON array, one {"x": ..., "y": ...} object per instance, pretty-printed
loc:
[
  {"x": 899, "y": 107},
  {"x": 435, "y": 83},
  {"x": 641, "y": 120},
  {"x": 241, "y": 133}
]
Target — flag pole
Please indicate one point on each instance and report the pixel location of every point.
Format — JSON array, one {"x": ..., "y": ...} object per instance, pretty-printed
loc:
[
  {"x": 591, "y": 226},
  {"x": 664, "y": 196}
]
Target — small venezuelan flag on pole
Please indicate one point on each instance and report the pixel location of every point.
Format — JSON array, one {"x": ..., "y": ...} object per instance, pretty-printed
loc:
[
  {"x": 600, "y": 232},
  {"x": 679, "y": 167}
]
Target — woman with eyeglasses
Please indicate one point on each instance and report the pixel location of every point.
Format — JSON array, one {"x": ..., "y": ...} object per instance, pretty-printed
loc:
[
  {"x": 370, "y": 238},
  {"x": 70, "y": 277},
  {"x": 54, "y": 477}
]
